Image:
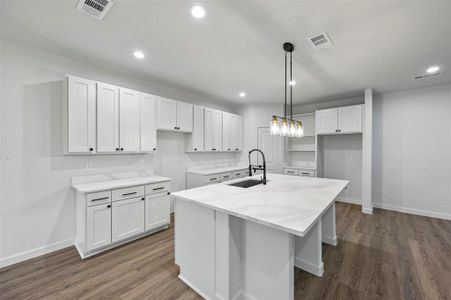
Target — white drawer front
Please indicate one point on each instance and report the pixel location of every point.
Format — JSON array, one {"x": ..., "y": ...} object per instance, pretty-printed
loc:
[
  {"x": 310, "y": 173},
  {"x": 226, "y": 176},
  {"x": 98, "y": 198},
  {"x": 129, "y": 192},
  {"x": 291, "y": 171},
  {"x": 240, "y": 173},
  {"x": 158, "y": 187},
  {"x": 210, "y": 179}
]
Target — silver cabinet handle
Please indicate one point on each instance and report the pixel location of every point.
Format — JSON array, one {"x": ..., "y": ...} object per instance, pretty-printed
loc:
[{"x": 100, "y": 199}]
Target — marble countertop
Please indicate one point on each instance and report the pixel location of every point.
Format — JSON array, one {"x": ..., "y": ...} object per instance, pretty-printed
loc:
[
  {"x": 89, "y": 187},
  {"x": 216, "y": 170},
  {"x": 289, "y": 203}
]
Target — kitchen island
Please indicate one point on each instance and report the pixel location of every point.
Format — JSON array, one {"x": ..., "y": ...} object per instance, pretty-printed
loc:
[{"x": 243, "y": 243}]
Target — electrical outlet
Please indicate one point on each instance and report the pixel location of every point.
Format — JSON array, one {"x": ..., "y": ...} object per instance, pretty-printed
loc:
[{"x": 89, "y": 166}]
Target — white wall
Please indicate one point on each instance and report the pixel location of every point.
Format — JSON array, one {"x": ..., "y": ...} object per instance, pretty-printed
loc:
[
  {"x": 412, "y": 151},
  {"x": 342, "y": 159},
  {"x": 37, "y": 203}
]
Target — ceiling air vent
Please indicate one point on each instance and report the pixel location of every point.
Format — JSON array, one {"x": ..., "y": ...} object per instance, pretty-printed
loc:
[
  {"x": 320, "y": 41},
  {"x": 426, "y": 75},
  {"x": 96, "y": 8}
]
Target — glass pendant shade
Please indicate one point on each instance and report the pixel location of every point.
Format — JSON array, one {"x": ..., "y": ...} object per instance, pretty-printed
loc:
[
  {"x": 275, "y": 128},
  {"x": 300, "y": 130},
  {"x": 293, "y": 130},
  {"x": 284, "y": 129}
]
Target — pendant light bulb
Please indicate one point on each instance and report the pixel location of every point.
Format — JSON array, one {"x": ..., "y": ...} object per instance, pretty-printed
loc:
[
  {"x": 292, "y": 129},
  {"x": 284, "y": 129},
  {"x": 275, "y": 129},
  {"x": 300, "y": 131}
]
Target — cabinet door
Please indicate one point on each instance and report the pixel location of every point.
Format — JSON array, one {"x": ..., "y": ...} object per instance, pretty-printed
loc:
[
  {"x": 350, "y": 119},
  {"x": 157, "y": 210},
  {"x": 166, "y": 113},
  {"x": 217, "y": 130},
  {"x": 236, "y": 137},
  {"x": 326, "y": 121},
  {"x": 208, "y": 129},
  {"x": 226, "y": 132},
  {"x": 98, "y": 226},
  {"x": 107, "y": 118},
  {"x": 127, "y": 218},
  {"x": 198, "y": 129},
  {"x": 81, "y": 107},
  {"x": 148, "y": 124},
  {"x": 129, "y": 120},
  {"x": 184, "y": 117}
]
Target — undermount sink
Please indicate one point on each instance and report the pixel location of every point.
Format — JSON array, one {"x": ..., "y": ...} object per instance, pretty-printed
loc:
[{"x": 246, "y": 183}]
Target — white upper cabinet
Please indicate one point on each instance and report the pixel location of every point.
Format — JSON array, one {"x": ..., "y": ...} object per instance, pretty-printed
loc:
[
  {"x": 107, "y": 118},
  {"x": 195, "y": 141},
  {"x": 213, "y": 130},
  {"x": 346, "y": 119},
  {"x": 326, "y": 121},
  {"x": 166, "y": 114},
  {"x": 148, "y": 123},
  {"x": 129, "y": 120},
  {"x": 236, "y": 132},
  {"x": 226, "y": 132},
  {"x": 80, "y": 112},
  {"x": 174, "y": 115},
  {"x": 184, "y": 117},
  {"x": 350, "y": 119}
]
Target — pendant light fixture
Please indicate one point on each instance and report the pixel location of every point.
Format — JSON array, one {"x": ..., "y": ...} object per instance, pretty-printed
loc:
[{"x": 286, "y": 126}]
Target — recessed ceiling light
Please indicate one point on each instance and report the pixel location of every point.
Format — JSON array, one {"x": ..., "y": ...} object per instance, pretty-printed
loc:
[
  {"x": 433, "y": 69},
  {"x": 292, "y": 82},
  {"x": 198, "y": 11},
  {"x": 138, "y": 54},
  {"x": 242, "y": 94}
]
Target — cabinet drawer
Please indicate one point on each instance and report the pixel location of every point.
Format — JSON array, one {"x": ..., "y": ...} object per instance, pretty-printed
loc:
[
  {"x": 158, "y": 187},
  {"x": 210, "y": 179},
  {"x": 291, "y": 171},
  {"x": 240, "y": 173},
  {"x": 310, "y": 173},
  {"x": 98, "y": 198},
  {"x": 129, "y": 192},
  {"x": 226, "y": 176}
]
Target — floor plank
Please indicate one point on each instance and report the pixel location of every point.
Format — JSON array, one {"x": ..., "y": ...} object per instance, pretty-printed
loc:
[{"x": 387, "y": 255}]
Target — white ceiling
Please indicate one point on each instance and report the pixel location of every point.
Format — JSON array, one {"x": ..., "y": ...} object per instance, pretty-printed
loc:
[{"x": 238, "y": 45}]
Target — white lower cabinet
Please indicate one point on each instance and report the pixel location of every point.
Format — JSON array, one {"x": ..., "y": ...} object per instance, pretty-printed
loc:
[
  {"x": 98, "y": 226},
  {"x": 127, "y": 218},
  {"x": 107, "y": 218},
  {"x": 195, "y": 179},
  {"x": 157, "y": 210}
]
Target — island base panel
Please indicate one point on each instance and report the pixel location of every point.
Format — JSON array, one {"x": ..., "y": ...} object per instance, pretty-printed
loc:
[
  {"x": 225, "y": 257},
  {"x": 329, "y": 226}
]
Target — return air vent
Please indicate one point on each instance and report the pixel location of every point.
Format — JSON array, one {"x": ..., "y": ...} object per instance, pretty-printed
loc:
[
  {"x": 96, "y": 8},
  {"x": 320, "y": 41}
]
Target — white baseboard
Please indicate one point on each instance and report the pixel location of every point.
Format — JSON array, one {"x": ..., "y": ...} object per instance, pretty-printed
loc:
[
  {"x": 367, "y": 210},
  {"x": 13, "y": 259},
  {"x": 329, "y": 240},
  {"x": 309, "y": 267},
  {"x": 413, "y": 211},
  {"x": 193, "y": 287},
  {"x": 349, "y": 200}
]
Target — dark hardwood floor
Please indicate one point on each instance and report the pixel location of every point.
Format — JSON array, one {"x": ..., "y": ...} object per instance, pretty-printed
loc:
[{"x": 387, "y": 255}]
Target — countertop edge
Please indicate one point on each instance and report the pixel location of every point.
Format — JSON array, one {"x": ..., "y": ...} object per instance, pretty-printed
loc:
[{"x": 117, "y": 185}]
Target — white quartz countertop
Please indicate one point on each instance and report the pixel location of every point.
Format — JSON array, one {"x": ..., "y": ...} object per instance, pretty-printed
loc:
[
  {"x": 289, "y": 203},
  {"x": 216, "y": 170},
  {"x": 117, "y": 183}
]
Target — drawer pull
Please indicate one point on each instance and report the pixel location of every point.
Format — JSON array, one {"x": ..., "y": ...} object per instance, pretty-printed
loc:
[
  {"x": 227, "y": 176},
  {"x": 211, "y": 179},
  {"x": 304, "y": 173},
  {"x": 128, "y": 194},
  {"x": 158, "y": 188},
  {"x": 100, "y": 199}
]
